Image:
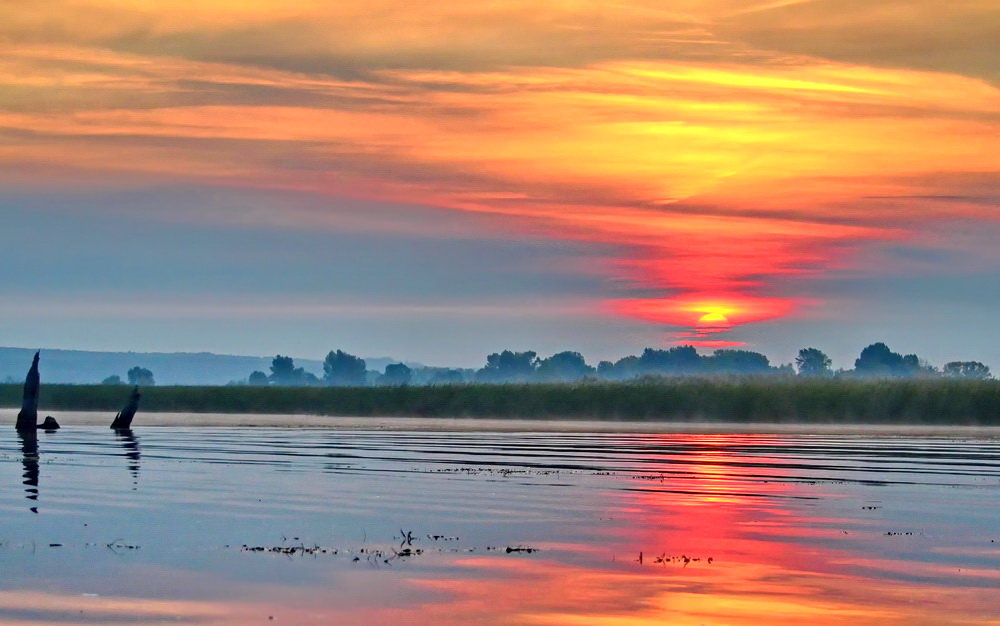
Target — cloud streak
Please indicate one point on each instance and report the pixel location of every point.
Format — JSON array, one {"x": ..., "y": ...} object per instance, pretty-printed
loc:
[{"x": 711, "y": 144}]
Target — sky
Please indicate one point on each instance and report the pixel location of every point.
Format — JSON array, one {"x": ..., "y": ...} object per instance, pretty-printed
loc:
[{"x": 439, "y": 180}]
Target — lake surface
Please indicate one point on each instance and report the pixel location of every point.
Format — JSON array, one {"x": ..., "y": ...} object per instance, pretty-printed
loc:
[{"x": 268, "y": 525}]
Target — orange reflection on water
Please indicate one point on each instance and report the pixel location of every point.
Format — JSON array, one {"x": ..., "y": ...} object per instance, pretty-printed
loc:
[
  {"x": 767, "y": 563},
  {"x": 498, "y": 590},
  {"x": 729, "y": 532},
  {"x": 549, "y": 592},
  {"x": 772, "y": 560}
]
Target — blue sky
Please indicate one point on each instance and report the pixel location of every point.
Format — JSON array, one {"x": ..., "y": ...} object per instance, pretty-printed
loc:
[
  {"x": 164, "y": 269},
  {"x": 439, "y": 180}
]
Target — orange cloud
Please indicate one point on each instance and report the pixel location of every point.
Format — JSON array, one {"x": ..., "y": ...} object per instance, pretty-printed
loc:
[{"x": 715, "y": 170}]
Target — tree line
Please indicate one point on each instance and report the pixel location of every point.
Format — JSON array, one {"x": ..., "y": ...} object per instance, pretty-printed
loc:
[
  {"x": 341, "y": 369},
  {"x": 136, "y": 376}
]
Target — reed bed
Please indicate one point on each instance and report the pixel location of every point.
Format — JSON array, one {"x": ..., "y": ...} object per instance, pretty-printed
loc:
[{"x": 764, "y": 399}]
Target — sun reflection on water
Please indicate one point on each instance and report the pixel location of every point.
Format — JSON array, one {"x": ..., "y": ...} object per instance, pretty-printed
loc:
[{"x": 629, "y": 530}]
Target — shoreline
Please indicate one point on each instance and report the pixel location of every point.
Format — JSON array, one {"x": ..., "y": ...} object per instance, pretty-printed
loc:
[{"x": 440, "y": 424}]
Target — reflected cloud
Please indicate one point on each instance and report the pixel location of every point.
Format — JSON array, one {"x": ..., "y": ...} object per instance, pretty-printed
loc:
[
  {"x": 732, "y": 528},
  {"x": 24, "y": 606},
  {"x": 725, "y": 593}
]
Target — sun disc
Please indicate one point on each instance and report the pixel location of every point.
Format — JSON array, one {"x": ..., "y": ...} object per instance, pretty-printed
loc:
[{"x": 713, "y": 318}]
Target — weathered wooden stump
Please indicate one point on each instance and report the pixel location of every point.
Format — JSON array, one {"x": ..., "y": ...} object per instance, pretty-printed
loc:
[
  {"x": 27, "y": 419},
  {"x": 123, "y": 420}
]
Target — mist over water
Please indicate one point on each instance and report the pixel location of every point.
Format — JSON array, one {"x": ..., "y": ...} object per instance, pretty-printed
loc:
[{"x": 239, "y": 525}]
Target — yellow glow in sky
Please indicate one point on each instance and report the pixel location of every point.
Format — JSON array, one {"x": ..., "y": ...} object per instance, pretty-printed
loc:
[{"x": 721, "y": 144}]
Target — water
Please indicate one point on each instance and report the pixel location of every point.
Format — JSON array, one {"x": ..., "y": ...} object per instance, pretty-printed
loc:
[{"x": 181, "y": 525}]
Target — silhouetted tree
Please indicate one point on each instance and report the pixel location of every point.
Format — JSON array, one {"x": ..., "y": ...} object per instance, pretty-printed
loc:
[
  {"x": 507, "y": 366},
  {"x": 140, "y": 376},
  {"x": 813, "y": 362},
  {"x": 624, "y": 368},
  {"x": 114, "y": 379},
  {"x": 563, "y": 366},
  {"x": 966, "y": 369},
  {"x": 737, "y": 362},
  {"x": 341, "y": 369},
  {"x": 283, "y": 370},
  {"x": 285, "y": 374},
  {"x": 785, "y": 369},
  {"x": 676, "y": 360},
  {"x": 878, "y": 360},
  {"x": 396, "y": 374},
  {"x": 914, "y": 366},
  {"x": 258, "y": 379}
]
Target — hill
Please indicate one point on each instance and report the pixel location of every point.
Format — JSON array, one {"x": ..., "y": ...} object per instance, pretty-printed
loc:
[{"x": 169, "y": 368}]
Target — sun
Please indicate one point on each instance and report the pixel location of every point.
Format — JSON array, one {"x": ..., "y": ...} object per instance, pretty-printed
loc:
[{"x": 713, "y": 318}]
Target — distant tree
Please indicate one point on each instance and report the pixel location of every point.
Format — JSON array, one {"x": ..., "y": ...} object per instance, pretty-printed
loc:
[
  {"x": 114, "y": 379},
  {"x": 878, "y": 360},
  {"x": 676, "y": 360},
  {"x": 341, "y": 369},
  {"x": 285, "y": 374},
  {"x": 447, "y": 377},
  {"x": 737, "y": 362},
  {"x": 624, "y": 368},
  {"x": 785, "y": 369},
  {"x": 508, "y": 366},
  {"x": 283, "y": 371},
  {"x": 396, "y": 375},
  {"x": 563, "y": 367},
  {"x": 915, "y": 366},
  {"x": 911, "y": 363},
  {"x": 258, "y": 379},
  {"x": 140, "y": 376},
  {"x": 966, "y": 369},
  {"x": 813, "y": 362}
]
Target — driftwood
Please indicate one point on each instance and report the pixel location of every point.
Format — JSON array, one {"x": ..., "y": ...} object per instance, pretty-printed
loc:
[
  {"x": 123, "y": 421},
  {"x": 27, "y": 419}
]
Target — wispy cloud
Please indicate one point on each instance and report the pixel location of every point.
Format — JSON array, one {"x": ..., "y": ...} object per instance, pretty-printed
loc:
[{"x": 715, "y": 162}]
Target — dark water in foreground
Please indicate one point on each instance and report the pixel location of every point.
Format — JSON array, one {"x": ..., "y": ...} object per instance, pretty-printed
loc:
[{"x": 759, "y": 529}]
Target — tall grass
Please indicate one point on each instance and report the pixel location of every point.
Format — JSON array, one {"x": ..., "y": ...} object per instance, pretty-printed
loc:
[{"x": 682, "y": 399}]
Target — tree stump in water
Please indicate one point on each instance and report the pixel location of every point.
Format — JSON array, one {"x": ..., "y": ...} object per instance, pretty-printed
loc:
[
  {"x": 27, "y": 419},
  {"x": 124, "y": 418}
]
